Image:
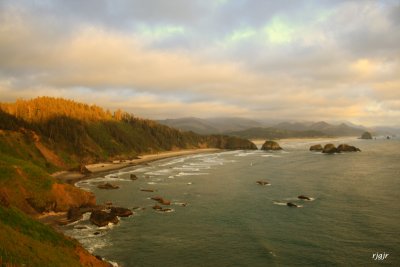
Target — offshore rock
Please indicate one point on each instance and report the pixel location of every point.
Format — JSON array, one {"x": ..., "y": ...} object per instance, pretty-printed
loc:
[
  {"x": 121, "y": 212},
  {"x": 262, "y": 182},
  {"x": 303, "y": 197},
  {"x": 102, "y": 218},
  {"x": 329, "y": 149},
  {"x": 366, "y": 135},
  {"x": 271, "y": 145},
  {"x": 108, "y": 186},
  {"x": 347, "y": 148}
]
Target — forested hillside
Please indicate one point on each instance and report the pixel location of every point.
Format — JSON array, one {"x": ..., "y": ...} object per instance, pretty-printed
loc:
[{"x": 78, "y": 132}]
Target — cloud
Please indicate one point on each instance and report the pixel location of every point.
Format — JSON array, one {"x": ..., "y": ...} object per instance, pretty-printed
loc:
[{"x": 293, "y": 60}]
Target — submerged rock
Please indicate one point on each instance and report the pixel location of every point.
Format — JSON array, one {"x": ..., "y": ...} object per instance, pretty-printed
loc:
[
  {"x": 147, "y": 190},
  {"x": 159, "y": 208},
  {"x": 133, "y": 177},
  {"x": 330, "y": 149},
  {"x": 316, "y": 148},
  {"x": 290, "y": 204},
  {"x": 107, "y": 186},
  {"x": 161, "y": 200},
  {"x": 271, "y": 145},
  {"x": 103, "y": 218}
]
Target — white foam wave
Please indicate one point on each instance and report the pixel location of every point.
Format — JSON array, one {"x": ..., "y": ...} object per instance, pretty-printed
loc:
[
  {"x": 159, "y": 172},
  {"x": 186, "y": 169},
  {"x": 191, "y": 173},
  {"x": 279, "y": 203},
  {"x": 270, "y": 156}
]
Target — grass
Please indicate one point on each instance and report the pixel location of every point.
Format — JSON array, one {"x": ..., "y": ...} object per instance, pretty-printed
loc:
[{"x": 26, "y": 242}]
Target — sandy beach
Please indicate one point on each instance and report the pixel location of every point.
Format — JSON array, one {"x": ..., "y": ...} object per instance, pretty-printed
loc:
[{"x": 73, "y": 176}]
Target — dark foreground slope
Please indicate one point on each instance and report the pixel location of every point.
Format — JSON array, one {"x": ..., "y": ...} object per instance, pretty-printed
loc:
[{"x": 43, "y": 135}]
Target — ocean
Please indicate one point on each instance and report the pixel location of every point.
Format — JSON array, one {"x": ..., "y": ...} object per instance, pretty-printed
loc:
[{"x": 220, "y": 216}]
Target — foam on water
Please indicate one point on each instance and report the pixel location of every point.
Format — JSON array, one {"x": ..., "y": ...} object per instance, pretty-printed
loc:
[{"x": 191, "y": 173}]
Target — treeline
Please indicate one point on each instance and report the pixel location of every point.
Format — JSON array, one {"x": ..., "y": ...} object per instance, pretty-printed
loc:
[{"x": 87, "y": 133}]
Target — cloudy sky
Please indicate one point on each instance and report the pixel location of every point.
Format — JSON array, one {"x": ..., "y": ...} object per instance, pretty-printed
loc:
[{"x": 289, "y": 60}]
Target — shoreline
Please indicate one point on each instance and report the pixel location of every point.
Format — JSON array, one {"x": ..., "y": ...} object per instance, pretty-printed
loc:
[{"x": 95, "y": 169}]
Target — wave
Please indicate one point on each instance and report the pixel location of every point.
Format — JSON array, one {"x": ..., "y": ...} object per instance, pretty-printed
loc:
[
  {"x": 191, "y": 173},
  {"x": 187, "y": 169},
  {"x": 172, "y": 162},
  {"x": 285, "y": 204},
  {"x": 159, "y": 172},
  {"x": 280, "y": 203},
  {"x": 270, "y": 156}
]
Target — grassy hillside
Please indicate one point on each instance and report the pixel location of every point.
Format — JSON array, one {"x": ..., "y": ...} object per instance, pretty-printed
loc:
[
  {"x": 26, "y": 242},
  {"x": 43, "y": 135}
]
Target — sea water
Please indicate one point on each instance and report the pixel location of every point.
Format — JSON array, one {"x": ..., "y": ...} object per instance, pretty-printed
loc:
[{"x": 220, "y": 217}]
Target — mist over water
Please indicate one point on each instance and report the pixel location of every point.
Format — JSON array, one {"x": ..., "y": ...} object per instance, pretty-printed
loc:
[{"x": 229, "y": 220}]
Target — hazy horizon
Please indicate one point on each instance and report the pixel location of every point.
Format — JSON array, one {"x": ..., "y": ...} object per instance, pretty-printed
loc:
[{"x": 334, "y": 61}]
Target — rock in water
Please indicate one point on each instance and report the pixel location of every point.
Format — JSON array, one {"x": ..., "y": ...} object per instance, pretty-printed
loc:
[
  {"x": 347, "y": 148},
  {"x": 262, "y": 182},
  {"x": 303, "y": 197},
  {"x": 133, "y": 177},
  {"x": 102, "y": 218},
  {"x": 330, "y": 149},
  {"x": 121, "y": 212},
  {"x": 107, "y": 186},
  {"x": 271, "y": 145},
  {"x": 290, "y": 204},
  {"x": 316, "y": 148},
  {"x": 161, "y": 200},
  {"x": 366, "y": 135},
  {"x": 74, "y": 214}
]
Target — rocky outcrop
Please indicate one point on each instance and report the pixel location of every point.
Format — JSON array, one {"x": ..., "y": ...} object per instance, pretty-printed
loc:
[
  {"x": 329, "y": 149},
  {"x": 271, "y": 145},
  {"x": 107, "y": 186},
  {"x": 67, "y": 196},
  {"x": 347, "y": 148},
  {"x": 316, "y": 148},
  {"x": 366, "y": 135},
  {"x": 102, "y": 218}
]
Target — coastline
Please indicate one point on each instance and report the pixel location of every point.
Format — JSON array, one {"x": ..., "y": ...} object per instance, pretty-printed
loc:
[{"x": 72, "y": 177}]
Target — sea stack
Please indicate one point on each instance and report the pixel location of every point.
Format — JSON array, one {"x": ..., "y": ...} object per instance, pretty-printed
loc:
[
  {"x": 271, "y": 145},
  {"x": 329, "y": 149},
  {"x": 366, "y": 135}
]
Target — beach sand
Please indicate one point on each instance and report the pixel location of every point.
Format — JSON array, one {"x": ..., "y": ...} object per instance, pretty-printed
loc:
[{"x": 74, "y": 176}]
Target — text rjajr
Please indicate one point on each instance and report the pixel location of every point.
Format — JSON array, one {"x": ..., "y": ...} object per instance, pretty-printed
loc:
[{"x": 380, "y": 256}]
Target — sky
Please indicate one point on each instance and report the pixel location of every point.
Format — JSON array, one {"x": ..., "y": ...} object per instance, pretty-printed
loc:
[{"x": 282, "y": 60}]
